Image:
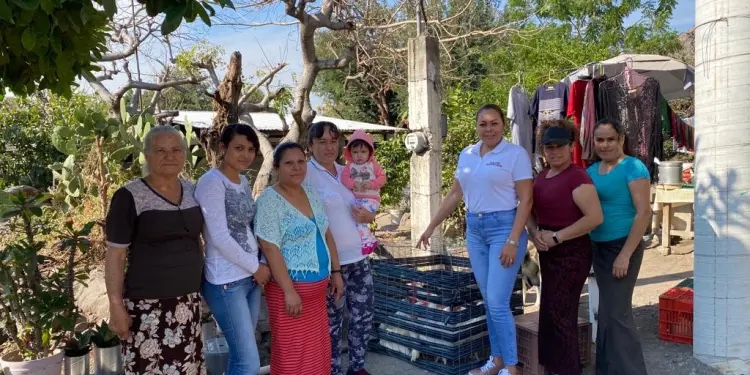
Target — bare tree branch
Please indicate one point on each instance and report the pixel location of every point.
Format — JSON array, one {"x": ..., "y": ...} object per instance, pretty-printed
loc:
[
  {"x": 209, "y": 67},
  {"x": 267, "y": 78},
  {"x": 133, "y": 44},
  {"x": 335, "y": 63},
  {"x": 156, "y": 86},
  {"x": 97, "y": 85}
]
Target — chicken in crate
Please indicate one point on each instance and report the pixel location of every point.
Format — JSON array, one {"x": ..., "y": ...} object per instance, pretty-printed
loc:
[{"x": 429, "y": 310}]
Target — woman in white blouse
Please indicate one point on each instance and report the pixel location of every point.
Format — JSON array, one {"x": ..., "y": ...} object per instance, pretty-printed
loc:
[
  {"x": 233, "y": 274},
  {"x": 324, "y": 176},
  {"x": 494, "y": 177}
]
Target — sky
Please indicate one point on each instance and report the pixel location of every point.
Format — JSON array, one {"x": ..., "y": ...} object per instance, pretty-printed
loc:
[{"x": 266, "y": 46}]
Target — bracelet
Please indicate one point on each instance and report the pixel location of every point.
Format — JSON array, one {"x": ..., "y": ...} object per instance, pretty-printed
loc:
[{"x": 335, "y": 271}]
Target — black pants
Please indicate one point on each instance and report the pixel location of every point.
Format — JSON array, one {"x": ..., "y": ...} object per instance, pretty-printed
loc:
[{"x": 618, "y": 347}]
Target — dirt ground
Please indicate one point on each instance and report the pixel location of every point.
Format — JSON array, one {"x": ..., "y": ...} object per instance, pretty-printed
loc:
[{"x": 658, "y": 274}]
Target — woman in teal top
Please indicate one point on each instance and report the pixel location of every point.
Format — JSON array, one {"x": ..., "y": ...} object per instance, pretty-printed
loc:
[
  {"x": 293, "y": 234},
  {"x": 623, "y": 185}
]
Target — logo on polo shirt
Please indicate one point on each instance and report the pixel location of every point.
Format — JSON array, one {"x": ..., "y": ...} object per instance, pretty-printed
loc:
[{"x": 495, "y": 164}]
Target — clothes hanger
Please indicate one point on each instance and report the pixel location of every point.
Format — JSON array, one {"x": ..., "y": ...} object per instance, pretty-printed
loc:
[
  {"x": 518, "y": 83},
  {"x": 550, "y": 79}
]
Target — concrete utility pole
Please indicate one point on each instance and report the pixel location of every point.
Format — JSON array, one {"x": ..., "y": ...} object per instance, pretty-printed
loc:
[
  {"x": 721, "y": 326},
  {"x": 424, "y": 116}
]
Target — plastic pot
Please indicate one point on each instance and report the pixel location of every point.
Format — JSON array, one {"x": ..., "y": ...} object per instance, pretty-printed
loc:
[{"x": 13, "y": 364}]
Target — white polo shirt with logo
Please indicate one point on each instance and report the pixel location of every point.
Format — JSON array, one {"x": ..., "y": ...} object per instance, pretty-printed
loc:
[{"x": 488, "y": 182}]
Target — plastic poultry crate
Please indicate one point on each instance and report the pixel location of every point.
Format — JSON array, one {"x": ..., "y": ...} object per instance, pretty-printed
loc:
[
  {"x": 676, "y": 315},
  {"x": 429, "y": 309}
]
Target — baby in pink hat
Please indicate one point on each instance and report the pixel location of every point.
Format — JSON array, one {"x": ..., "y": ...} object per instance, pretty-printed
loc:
[{"x": 364, "y": 177}]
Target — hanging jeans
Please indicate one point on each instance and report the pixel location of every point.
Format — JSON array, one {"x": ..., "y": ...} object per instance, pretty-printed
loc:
[
  {"x": 236, "y": 307},
  {"x": 486, "y": 234}
]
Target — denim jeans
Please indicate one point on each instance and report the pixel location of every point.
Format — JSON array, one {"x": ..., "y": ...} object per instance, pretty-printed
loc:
[
  {"x": 236, "y": 307},
  {"x": 486, "y": 234}
]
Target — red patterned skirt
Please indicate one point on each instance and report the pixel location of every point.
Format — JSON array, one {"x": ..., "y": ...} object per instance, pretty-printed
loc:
[{"x": 300, "y": 345}]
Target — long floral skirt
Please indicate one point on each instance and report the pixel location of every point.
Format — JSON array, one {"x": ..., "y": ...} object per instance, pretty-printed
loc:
[
  {"x": 165, "y": 337},
  {"x": 300, "y": 345}
]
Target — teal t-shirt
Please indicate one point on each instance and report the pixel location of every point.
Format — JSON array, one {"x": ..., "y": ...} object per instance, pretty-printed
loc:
[
  {"x": 614, "y": 195},
  {"x": 321, "y": 251}
]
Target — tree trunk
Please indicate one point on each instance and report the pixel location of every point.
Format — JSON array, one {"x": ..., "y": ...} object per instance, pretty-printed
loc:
[
  {"x": 226, "y": 105},
  {"x": 265, "y": 175},
  {"x": 302, "y": 111},
  {"x": 381, "y": 100}
]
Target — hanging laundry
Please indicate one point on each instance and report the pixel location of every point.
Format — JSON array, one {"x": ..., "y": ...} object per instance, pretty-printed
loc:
[
  {"x": 636, "y": 107},
  {"x": 588, "y": 121},
  {"x": 521, "y": 131},
  {"x": 550, "y": 102},
  {"x": 575, "y": 110}
]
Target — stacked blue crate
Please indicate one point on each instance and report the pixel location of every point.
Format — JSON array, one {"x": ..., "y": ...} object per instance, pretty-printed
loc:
[{"x": 429, "y": 310}]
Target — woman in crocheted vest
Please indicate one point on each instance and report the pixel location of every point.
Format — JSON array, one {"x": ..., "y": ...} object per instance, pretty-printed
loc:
[{"x": 292, "y": 230}]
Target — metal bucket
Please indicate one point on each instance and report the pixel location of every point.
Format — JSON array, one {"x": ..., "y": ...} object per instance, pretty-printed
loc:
[
  {"x": 670, "y": 173},
  {"x": 108, "y": 361},
  {"x": 216, "y": 352},
  {"x": 76, "y": 365}
]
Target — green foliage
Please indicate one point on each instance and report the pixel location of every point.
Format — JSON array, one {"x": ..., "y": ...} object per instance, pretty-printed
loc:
[
  {"x": 197, "y": 164},
  {"x": 175, "y": 11},
  {"x": 47, "y": 43},
  {"x": 103, "y": 337},
  {"x": 91, "y": 134},
  {"x": 78, "y": 344},
  {"x": 201, "y": 52},
  {"x": 38, "y": 308},
  {"x": 101, "y": 152},
  {"x": 602, "y": 22},
  {"x": 394, "y": 158},
  {"x": 25, "y": 139}
]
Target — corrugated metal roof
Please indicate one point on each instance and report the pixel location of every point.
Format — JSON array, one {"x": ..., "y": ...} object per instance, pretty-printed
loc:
[{"x": 267, "y": 121}]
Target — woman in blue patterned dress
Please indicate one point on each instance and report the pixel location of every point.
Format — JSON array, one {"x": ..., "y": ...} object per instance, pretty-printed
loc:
[
  {"x": 292, "y": 229},
  {"x": 233, "y": 275}
]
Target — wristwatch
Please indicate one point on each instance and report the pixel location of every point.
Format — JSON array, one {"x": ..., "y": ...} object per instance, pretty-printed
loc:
[
  {"x": 555, "y": 238},
  {"x": 511, "y": 242}
]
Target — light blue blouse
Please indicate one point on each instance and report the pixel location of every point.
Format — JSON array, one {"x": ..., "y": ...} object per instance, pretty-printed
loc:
[{"x": 297, "y": 236}]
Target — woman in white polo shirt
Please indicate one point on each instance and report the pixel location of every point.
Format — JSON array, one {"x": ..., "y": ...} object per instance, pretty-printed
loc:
[{"x": 494, "y": 177}]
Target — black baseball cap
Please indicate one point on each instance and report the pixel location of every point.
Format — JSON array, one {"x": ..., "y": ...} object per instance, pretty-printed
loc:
[{"x": 556, "y": 135}]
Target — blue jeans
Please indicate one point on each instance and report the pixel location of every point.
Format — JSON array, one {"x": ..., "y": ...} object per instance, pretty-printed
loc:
[
  {"x": 486, "y": 234},
  {"x": 236, "y": 307}
]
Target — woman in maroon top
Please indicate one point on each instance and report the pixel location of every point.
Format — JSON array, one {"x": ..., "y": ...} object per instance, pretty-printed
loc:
[{"x": 566, "y": 209}]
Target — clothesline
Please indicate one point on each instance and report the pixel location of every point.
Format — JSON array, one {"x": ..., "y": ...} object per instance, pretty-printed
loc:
[{"x": 632, "y": 98}]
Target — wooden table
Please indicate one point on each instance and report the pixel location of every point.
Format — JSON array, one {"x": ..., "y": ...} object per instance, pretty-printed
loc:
[{"x": 664, "y": 200}]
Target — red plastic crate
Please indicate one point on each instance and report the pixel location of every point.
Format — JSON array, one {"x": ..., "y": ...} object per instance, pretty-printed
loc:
[
  {"x": 527, "y": 336},
  {"x": 676, "y": 315}
]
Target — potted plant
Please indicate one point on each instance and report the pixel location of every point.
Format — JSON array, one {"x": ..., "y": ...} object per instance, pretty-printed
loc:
[
  {"x": 108, "y": 359},
  {"x": 37, "y": 309},
  {"x": 76, "y": 351}
]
